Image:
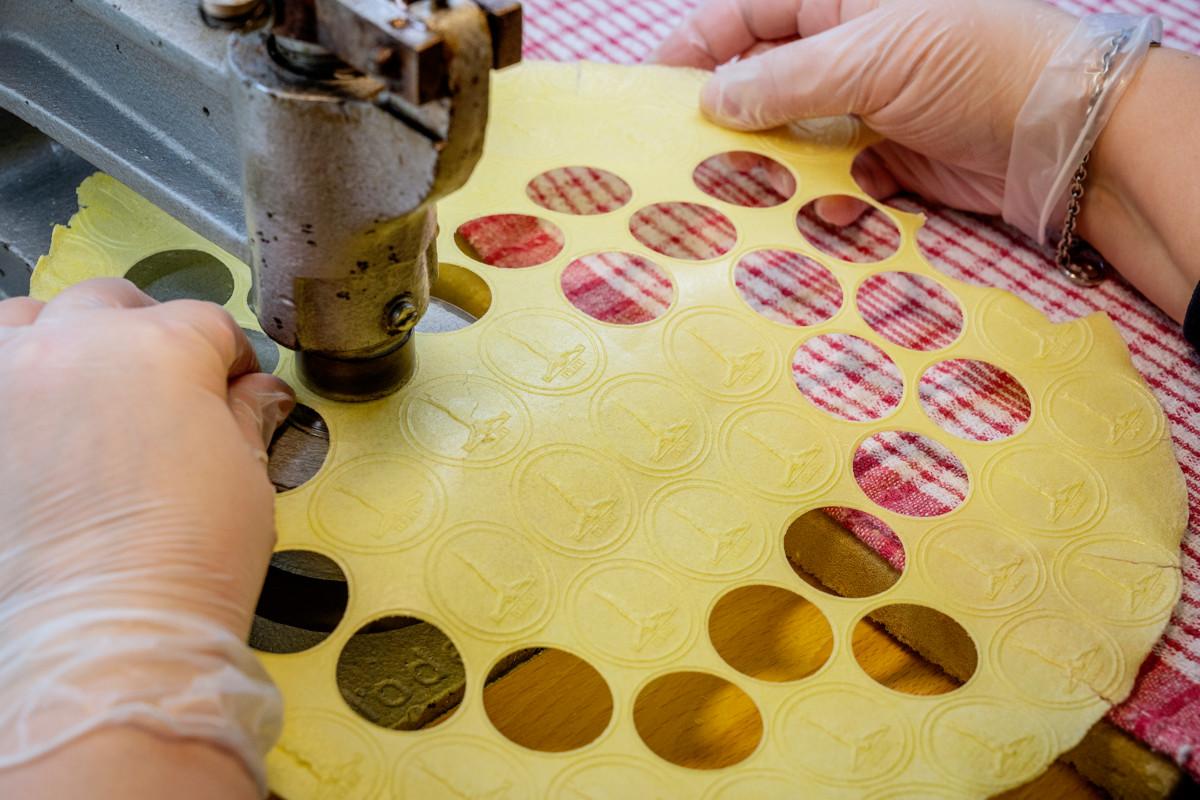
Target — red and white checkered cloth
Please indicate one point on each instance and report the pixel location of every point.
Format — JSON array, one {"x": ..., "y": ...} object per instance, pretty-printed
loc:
[{"x": 853, "y": 377}]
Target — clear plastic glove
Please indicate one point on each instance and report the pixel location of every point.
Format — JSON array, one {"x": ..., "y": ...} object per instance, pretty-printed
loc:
[
  {"x": 137, "y": 522},
  {"x": 943, "y": 82}
]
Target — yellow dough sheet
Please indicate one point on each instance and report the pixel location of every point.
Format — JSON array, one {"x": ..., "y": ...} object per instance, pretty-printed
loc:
[{"x": 458, "y": 500}]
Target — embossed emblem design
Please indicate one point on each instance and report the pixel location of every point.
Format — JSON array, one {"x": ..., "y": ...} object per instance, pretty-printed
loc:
[
  {"x": 778, "y": 452},
  {"x": 437, "y": 770},
  {"x": 478, "y": 429},
  {"x": 669, "y": 438},
  {"x": 720, "y": 354},
  {"x": 512, "y": 595},
  {"x": 1105, "y": 413},
  {"x": 1119, "y": 578},
  {"x": 987, "y": 742},
  {"x": 646, "y": 626},
  {"x": 1045, "y": 490},
  {"x": 796, "y": 464},
  {"x": 1005, "y": 757},
  {"x": 1048, "y": 343},
  {"x": 334, "y": 779},
  {"x": 740, "y": 368},
  {"x": 323, "y": 757},
  {"x": 861, "y": 747},
  {"x": 650, "y": 424},
  {"x": 981, "y": 567},
  {"x": 466, "y": 419},
  {"x": 577, "y": 500},
  {"x": 559, "y": 363},
  {"x": 377, "y": 504},
  {"x": 724, "y": 540},
  {"x": 1125, "y": 424},
  {"x": 1076, "y": 662},
  {"x": 630, "y": 612},
  {"x": 544, "y": 351},
  {"x": 593, "y": 517},
  {"x": 848, "y": 736},
  {"x": 490, "y": 580},
  {"x": 999, "y": 578},
  {"x": 456, "y": 786}
]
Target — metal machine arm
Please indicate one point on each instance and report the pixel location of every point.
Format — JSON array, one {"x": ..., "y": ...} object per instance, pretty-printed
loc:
[{"x": 310, "y": 138}]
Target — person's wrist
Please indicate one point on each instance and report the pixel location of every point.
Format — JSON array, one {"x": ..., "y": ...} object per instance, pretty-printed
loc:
[
  {"x": 1066, "y": 112},
  {"x": 174, "y": 675},
  {"x": 1140, "y": 205}
]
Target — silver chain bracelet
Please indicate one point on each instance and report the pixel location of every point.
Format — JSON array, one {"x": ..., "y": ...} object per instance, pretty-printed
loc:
[{"x": 1086, "y": 267}]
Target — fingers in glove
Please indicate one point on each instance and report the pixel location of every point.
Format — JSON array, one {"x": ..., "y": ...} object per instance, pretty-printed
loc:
[
  {"x": 98, "y": 293},
  {"x": 216, "y": 327},
  {"x": 260, "y": 403},
  {"x": 722, "y": 29},
  {"x": 846, "y": 69},
  {"x": 18, "y": 311},
  {"x": 873, "y": 177}
]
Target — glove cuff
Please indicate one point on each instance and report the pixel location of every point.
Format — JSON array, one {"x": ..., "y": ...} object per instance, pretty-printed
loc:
[
  {"x": 1065, "y": 112},
  {"x": 167, "y": 673}
]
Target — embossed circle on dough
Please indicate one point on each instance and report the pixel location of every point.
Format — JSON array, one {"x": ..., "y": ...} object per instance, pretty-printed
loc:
[
  {"x": 544, "y": 351},
  {"x": 759, "y": 783},
  {"x": 907, "y": 791},
  {"x": 778, "y": 452},
  {"x": 598, "y": 776},
  {"x": 322, "y": 754},
  {"x": 377, "y": 504},
  {"x": 1105, "y": 413},
  {"x": 703, "y": 530},
  {"x": 631, "y": 612},
  {"x": 460, "y": 766},
  {"x": 466, "y": 420},
  {"x": 1056, "y": 660},
  {"x": 490, "y": 580},
  {"x": 1118, "y": 578},
  {"x": 650, "y": 424},
  {"x": 721, "y": 354},
  {"x": 986, "y": 744},
  {"x": 981, "y": 568},
  {"x": 578, "y": 501},
  {"x": 1019, "y": 333},
  {"x": 844, "y": 735},
  {"x": 1044, "y": 489}
]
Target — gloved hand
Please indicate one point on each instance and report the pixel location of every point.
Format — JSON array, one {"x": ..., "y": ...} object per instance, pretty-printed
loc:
[
  {"x": 943, "y": 82},
  {"x": 136, "y": 522}
]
